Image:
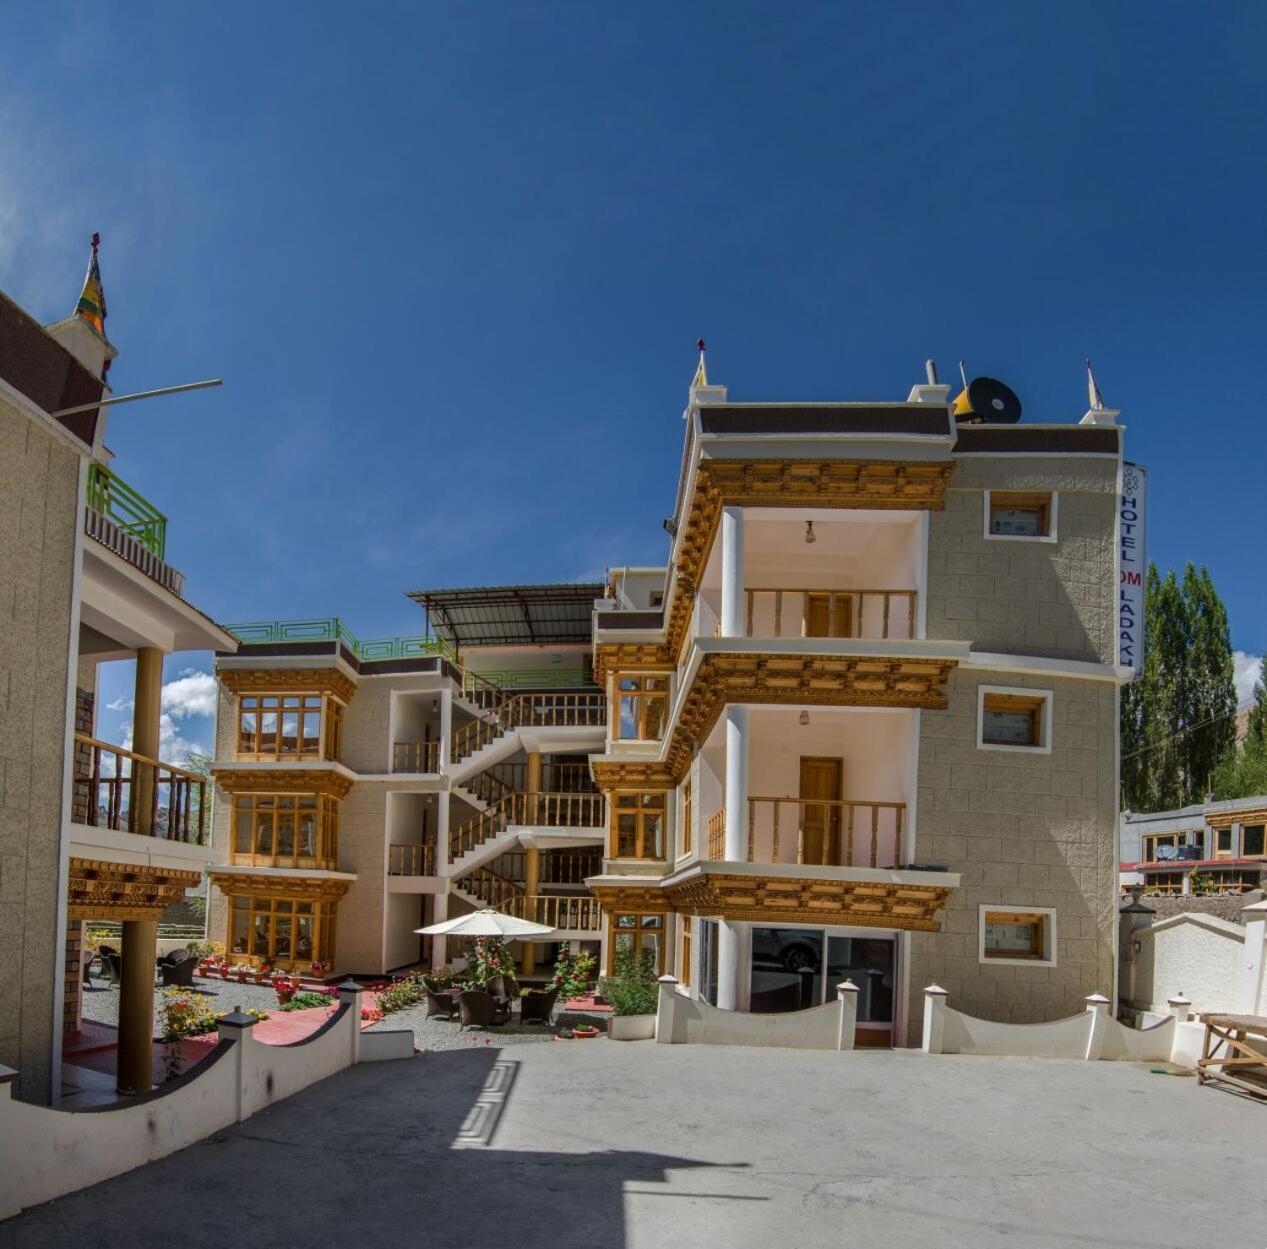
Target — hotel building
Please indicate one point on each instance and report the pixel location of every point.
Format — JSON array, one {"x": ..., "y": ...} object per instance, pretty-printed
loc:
[
  {"x": 1222, "y": 846},
  {"x": 89, "y": 831},
  {"x": 862, "y": 723}
]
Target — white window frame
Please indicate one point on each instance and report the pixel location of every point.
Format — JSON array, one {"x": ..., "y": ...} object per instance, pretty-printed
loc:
[
  {"x": 1049, "y": 536},
  {"x": 1049, "y": 935},
  {"x": 1044, "y": 734}
]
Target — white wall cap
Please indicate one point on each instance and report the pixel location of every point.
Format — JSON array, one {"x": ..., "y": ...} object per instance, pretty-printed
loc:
[
  {"x": 1100, "y": 416},
  {"x": 923, "y": 393},
  {"x": 935, "y": 990},
  {"x": 846, "y": 986}
]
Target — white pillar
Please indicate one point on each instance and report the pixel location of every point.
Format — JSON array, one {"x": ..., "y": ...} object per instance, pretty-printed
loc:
[
  {"x": 1255, "y": 918},
  {"x": 666, "y": 1009},
  {"x": 1179, "y": 1007},
  {"x": 934, "y": 1019},
  {"x": 439, "y": 913},
  {"x": 446, "y": 728},
  {"x": 1098, "y": 1009},
  {"x": 442, "y": 832},
  {"x": 736, "y": 784},
  {"x": 729, "y": 965},
  {"x": 847, "y": 997},
  {"x": 732, "y": 589}
]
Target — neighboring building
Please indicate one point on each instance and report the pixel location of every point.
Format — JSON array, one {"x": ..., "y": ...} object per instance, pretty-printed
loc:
[
  {"x": 370, "y": 788},
  {"x": 863, "y": 725},
  {"x": 90, "y": 831},
  {"x": 1221, "y": 844}
]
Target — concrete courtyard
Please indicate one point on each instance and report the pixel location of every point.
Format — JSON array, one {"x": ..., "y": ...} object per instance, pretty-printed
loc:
[{"x": 595, "y": 1143}]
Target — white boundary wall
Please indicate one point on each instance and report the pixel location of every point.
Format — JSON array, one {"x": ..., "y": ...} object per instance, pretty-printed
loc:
[
  {"x": 681, "y": 1020},
  {"x": 1093, "y": 1035},
  {"x": 47, "y": 1153}
]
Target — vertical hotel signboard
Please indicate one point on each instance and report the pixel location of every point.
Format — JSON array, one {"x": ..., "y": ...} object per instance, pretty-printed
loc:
[{"x": 1132, "y": 564}]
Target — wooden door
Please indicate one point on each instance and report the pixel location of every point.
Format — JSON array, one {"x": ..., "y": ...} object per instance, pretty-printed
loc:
[
  {"x": 822, "y": 622},
  {"x": 821, "y": 787}
]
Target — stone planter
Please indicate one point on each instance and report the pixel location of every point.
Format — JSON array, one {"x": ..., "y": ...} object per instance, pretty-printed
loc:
[{"x": 631, "y": 1027}]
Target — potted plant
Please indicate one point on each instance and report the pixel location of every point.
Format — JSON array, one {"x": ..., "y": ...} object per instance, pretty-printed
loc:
[{"x": 633, "y": 993}]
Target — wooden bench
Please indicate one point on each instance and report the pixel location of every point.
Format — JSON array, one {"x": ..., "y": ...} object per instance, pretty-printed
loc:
[{"x": 1234, "y": 1051}]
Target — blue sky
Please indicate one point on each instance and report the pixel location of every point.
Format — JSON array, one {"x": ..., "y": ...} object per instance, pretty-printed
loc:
[{"x": 451, "y": 260}]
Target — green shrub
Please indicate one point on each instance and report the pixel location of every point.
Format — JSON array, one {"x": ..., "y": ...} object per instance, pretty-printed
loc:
[
  {"x": 306, "y": 1001},
  {"x": 572, "y": 973},
  {"x": 632, "y": 989}
]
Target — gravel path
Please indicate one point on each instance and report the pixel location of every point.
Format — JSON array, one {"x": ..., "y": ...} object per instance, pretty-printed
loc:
[{"x": 101, "y": 1001}]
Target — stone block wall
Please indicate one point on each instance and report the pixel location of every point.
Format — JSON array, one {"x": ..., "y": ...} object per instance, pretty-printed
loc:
[
  {"x": 72, "y": 979},
  {"x": 39, "y": 520},
  {"x": 1024, "y": 829},
  {"x": 1023, "y": 596}
]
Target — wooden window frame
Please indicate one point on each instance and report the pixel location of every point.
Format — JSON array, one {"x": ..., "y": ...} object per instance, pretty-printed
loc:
[
  {"x": 688, "y": 815},
  {"x": 629, "y": 802},
  {"x": 270, "y": 810},
  {"x": 1004, "y": 700},
  {"x": 650, "y": 705},
  {"x": 321, "y": 923},
  {"x": 1042, "y": 922},
  {"x": 1150, "y": 841},
  {"x": 327, "y": 710},
  {"x": 644, "y": 922},
  {"x": 1254, "y": 854},
  {"x": 1223, "y": 852},
  {"x": 684, "y": 963},
  {"x": 1045, "y": 502}
]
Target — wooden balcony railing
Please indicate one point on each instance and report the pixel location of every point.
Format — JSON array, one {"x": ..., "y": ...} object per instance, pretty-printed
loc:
[
  {"x": 569, "y": 867},
  {"x": 543, "y": 810},
  {"x": 831, "y": 613},
  {"x": 556, "y": 910},
  {"x": 491, "y": 888},
  {"x": 717, "y": 834},
  {"x": 130, "y": 793},
  {"x": 825, "y": 834},
  {"x": 542, "y": 710},
  {"x": 411, "y": 859},
  {"x": 416, "y": 756}
]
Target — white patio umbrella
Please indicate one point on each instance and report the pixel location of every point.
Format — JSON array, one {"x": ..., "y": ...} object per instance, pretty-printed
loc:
[{"x": 487, "y": 923}]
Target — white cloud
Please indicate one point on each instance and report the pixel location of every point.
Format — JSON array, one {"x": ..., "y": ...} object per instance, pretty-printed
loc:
[
  {"x": 193, "y": 693},
  {"x": 122, "y": 704},
  {"x": 1248, "y": 671}
]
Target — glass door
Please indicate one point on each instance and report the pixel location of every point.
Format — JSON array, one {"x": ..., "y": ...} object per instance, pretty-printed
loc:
[
  {"x": 787, "y": 965},
  {"x": 871, "y": 963}
]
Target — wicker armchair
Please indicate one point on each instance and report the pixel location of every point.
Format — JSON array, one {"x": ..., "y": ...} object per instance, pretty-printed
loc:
[
  {"x": 479, "y": 1010},
  {"x": 439, "y": 1004},
  {"x": 537, "y": 1005},
  {"x": 179, "y": 972}
]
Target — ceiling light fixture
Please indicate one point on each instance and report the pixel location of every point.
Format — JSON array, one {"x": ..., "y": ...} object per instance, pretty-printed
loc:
[{"x": 809, "y": 532}]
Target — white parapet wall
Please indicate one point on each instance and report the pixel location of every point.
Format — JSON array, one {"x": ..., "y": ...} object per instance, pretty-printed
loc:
[
  {"x": 1093, "y": 1035},
  {"x": 47, "y": 1153},
  {"x": 681, "y": 1020}
]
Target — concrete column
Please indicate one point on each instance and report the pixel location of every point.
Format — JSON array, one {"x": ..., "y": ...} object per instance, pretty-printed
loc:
[
  {"x": 446, "y": 729},
  {"x": 1179, "y": 1007},
  {"x": 442, "y": 832},
  {"x": 934, "y": 1018},
  {"x": 1098, "y": 1008},
  {"x": 146, "y": 717},
  {"x": 666, "y": 1005},
  {"x": 733, "y": 615},
  {"x": 534, "y": 785},
  {"x": 439, "y": 913},
  {"x": 236, "y": 1027},
  {"x": 532, "y": 877},
  {"x": 847, "y": 996},
  {"x": 736, "y": 792},
  {"x": 136, "y": 1006},
  {"x": 350, "y": 995},
  {"x": 730, "y": 968}
]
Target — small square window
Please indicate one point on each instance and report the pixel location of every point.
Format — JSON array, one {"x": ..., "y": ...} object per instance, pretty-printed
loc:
[
  {"x": 1014, "y": 719},
  {"x": 1017, "y": 934},
  {"x": 1013, "y": 514},
  {"x": 1223, "y": 842}
]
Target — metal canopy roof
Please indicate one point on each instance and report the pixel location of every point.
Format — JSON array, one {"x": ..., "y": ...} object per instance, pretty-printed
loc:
[{"x": 511, "y": 615}]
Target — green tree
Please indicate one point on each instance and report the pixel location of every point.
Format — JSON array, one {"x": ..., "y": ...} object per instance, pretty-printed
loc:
[
  {"x": 1178, "y": 719},
  {"x": 1242, "y": 773},
  {"x": 1256, "y": 728}
]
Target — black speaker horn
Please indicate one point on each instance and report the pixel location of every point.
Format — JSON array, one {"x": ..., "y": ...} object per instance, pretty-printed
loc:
[{"x": 985, "y": 401}]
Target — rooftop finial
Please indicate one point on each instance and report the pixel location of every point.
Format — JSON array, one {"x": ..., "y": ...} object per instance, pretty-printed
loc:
[
  {"x": 92, "y": 302},
  {"x": 1093, "y": 391},
  {"x": 701, "y": 374}
]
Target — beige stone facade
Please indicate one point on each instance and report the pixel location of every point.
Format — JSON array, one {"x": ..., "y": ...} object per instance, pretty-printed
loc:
[{"x": 38, "y": 530}]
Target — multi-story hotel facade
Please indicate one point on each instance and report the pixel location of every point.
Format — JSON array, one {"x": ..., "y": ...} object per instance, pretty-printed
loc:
[
  {"x": 862, "y": 724},
  {"x": 90, "y": 831}
]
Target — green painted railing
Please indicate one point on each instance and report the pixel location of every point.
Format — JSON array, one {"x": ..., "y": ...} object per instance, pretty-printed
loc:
[
  {"x": 332, "y": 629},
  {"x": 110, "y": 495},
  {"x": 540, "y": 678}
]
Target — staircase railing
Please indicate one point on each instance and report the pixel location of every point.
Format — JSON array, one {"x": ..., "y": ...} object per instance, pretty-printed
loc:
[
  {"x": 491, "y": 888},
  {"x": 542, "y": 810},
  {"x": 557, "y": 911},
  {"x": 538, "y": 710}
]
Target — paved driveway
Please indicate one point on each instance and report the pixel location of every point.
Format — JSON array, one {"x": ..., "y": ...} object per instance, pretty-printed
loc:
[{"x": 594, "y": 1143}]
